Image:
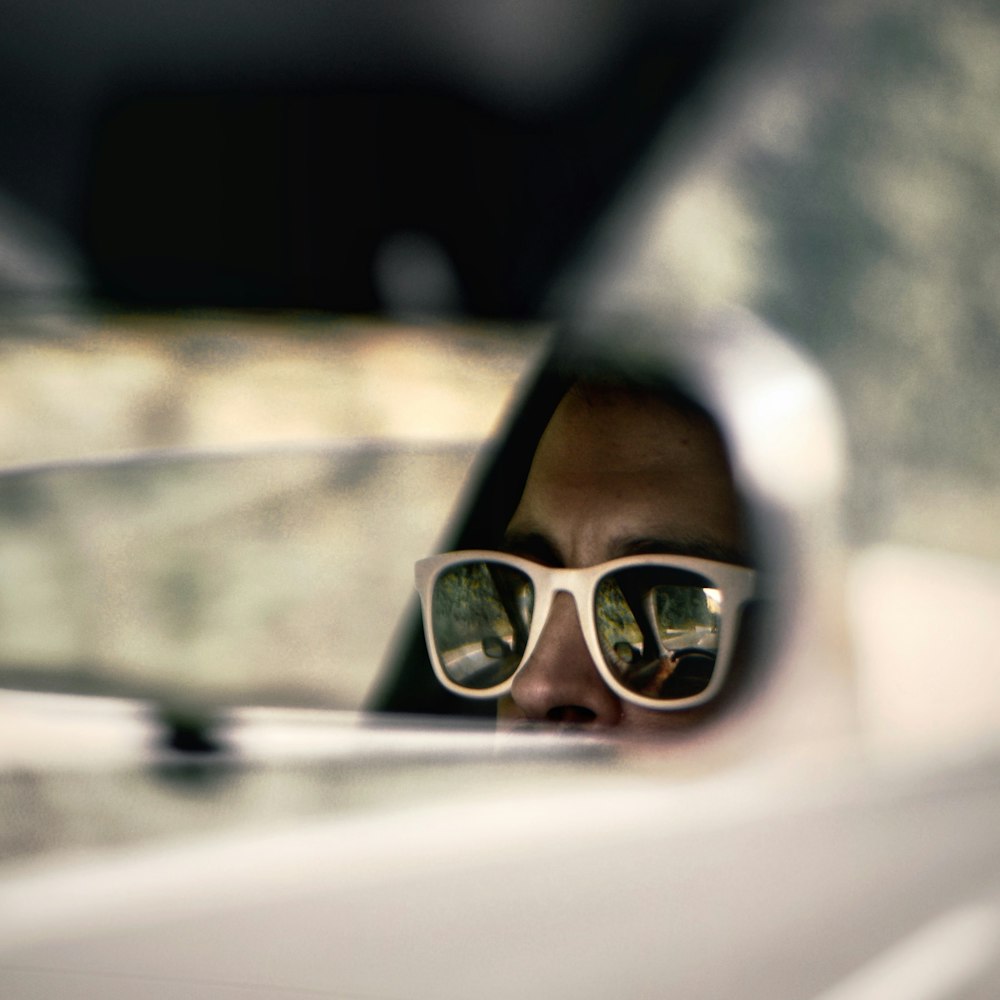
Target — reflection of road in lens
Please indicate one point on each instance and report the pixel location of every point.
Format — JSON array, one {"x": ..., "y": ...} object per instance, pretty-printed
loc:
[
  {"x": 483, "y": 664},
  {"x": 701, "y": 637}
]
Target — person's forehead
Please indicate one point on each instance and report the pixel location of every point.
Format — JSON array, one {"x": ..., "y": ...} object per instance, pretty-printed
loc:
[
  {"x": 614, "y": 470},
  {"x": 616, "y": 425}
]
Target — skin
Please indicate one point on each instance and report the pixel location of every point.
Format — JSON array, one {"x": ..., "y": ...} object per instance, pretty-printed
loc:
[{"x": 616, "y": 473}]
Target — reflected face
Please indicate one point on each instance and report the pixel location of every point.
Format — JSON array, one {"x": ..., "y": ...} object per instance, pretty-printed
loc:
[{"x": 616, "y": 473}]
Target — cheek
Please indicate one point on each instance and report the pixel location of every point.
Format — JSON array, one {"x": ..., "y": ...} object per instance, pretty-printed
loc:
[
  {"x": 507, "y": 710},
  {"x": 646, "y": 722}
]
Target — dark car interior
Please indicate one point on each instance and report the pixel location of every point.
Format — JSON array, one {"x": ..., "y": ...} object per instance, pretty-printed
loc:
[{"x": 350, "y": 160}]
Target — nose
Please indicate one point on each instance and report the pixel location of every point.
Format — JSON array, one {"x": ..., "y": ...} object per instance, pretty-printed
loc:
[{"x": 560, "y": 682}]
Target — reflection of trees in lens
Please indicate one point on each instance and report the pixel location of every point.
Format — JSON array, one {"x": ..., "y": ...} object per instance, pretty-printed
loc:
[
  {"x": 686, "y": 608},
  {"x": 615, "y": 622},
  {"x": 476, "y": 602},
  {"x": 632, "y": 656}
]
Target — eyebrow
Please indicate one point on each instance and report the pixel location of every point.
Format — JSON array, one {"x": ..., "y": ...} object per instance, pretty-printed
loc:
[
  {"x": 693, "y": 546},
  {"x": 539, "y": 548},
  {"x": 532, "y": 545}
]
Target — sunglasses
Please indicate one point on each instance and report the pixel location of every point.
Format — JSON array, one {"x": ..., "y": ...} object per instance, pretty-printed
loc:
[{"x": 660, "y": 628}]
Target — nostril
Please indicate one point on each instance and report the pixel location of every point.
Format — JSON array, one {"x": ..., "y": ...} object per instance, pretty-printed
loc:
[{"x": 576, "y": 714}]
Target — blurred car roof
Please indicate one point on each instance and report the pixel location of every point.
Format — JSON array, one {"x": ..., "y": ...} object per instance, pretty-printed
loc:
[
  {"x": 811, "y": 877},
  {"x": 450, "y": 155}
]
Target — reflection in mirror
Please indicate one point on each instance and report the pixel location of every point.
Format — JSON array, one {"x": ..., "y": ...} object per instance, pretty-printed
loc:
[{"x": 718, "y": 446}]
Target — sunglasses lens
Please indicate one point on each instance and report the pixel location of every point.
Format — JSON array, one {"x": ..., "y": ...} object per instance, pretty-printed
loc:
[
  {"x": 481, "y": 614},
  {"x": 659, "y": 630}
]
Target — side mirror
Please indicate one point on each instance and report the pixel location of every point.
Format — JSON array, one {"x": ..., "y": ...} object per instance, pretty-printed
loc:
[{"x": 781, "y": 430}]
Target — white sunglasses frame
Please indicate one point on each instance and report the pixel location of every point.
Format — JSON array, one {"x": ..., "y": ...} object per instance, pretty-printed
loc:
[{"x": 737, "y": 584}]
